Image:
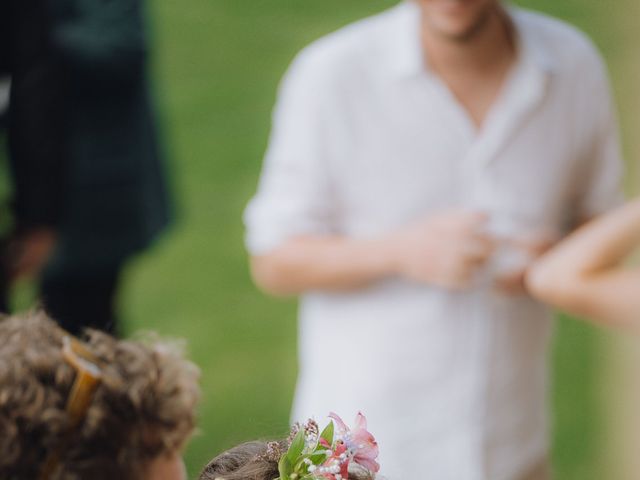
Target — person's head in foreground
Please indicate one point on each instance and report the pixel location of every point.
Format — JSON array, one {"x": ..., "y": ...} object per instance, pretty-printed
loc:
[
  {"x": 104, "y": 409},
  {"x": 335, "y": 453}
]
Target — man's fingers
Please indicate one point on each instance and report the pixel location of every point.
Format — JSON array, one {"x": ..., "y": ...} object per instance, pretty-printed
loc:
[
  {"x": 534, "y": 245},
  {"x": 461, "y": 275},
  {"x": 512, "y": 283},
  {"x": 478, "y": 250},
  {"x": 474, "y": 223}
]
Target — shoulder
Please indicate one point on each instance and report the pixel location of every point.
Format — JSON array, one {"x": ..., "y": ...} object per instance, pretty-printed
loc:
[
  {"x": 349, "y": 51},
  {"x": 567, "y": 46}
]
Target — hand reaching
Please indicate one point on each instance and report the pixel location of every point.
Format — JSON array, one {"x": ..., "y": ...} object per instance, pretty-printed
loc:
[
  {"x": 29, "y": 252},
  {"x": 510, "y": 278},
  {"x": 446, "y": 249}
]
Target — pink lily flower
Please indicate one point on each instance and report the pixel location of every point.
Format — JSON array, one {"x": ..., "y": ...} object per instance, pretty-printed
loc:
[
  {"x": 335, "y": 458},
  {"x": 359, "y": 442}
]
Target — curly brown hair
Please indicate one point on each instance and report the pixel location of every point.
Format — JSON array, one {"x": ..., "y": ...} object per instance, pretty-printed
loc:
[{"x": 143, "y": 408}]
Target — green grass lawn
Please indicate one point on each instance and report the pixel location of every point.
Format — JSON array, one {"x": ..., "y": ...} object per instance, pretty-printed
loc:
[{"x": 218, "y": 63}]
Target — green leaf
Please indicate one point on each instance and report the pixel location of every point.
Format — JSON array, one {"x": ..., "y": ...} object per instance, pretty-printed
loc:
[
  {"x": 296, "y": 448},
  {"x": 318, "y": 458},
  {"x": 328, "y": 433},
  {"x": 301, "y": 465},
  {"x": 285, "y": 468}
]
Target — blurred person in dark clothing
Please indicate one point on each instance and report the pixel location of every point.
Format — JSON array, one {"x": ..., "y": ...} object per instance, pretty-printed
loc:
[
  {"x": 116, "y": 198},
  {"x": 32, "y": 122},
  {"x": 5, "y": 88}
]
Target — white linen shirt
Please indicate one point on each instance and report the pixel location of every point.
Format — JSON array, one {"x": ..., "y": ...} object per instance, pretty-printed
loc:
[{"x": 365, "y": 139}]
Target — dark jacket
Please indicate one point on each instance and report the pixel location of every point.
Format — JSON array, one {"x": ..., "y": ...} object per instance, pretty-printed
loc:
[
  {"x": 36, "y": 157},
  {"x": 116, "y": 201}
]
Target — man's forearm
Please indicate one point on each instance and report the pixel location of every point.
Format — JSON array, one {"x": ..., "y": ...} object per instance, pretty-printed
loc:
[
  {"x": 444, "y": 250},
  {"x": 323, "y": 263}
]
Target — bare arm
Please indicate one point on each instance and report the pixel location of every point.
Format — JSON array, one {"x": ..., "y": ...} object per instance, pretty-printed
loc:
[
  {"x": 444, "y": 250},
  {"x": 583, "y": 275},
  {"x": 322, "y": 263}
]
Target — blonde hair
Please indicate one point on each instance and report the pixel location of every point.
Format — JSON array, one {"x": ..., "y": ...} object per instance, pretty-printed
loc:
[{"x": 143, "y": 408}]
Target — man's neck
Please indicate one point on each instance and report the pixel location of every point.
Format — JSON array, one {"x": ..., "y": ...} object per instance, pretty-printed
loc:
[
  {"x": 488, "y": 49},
  {"x": 474, "y": 68}
]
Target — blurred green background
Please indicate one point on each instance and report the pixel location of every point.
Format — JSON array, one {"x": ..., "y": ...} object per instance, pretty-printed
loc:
[{"x": 217, "y": 66}]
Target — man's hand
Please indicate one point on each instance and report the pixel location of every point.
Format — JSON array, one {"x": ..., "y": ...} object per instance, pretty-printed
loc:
[
  {"x": 445, "y": 250},
  {"x": 511, "y": 280},
  {"x": 29, "y": 252}
]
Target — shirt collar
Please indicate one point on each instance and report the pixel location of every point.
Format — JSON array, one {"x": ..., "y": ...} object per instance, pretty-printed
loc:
[
  {"x": 405, "y": 52},
  {"x": 530, "y": 46},
  {"x": 407, "y": 56}
]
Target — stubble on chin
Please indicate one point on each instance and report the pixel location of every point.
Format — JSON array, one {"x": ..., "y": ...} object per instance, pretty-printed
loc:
[{"x": 466, "y": 35}]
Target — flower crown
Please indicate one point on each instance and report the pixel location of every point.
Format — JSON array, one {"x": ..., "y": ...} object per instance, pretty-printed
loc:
[{"x": 328, "y": 455}]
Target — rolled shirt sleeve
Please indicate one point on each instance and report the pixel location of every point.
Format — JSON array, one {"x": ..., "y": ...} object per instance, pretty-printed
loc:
[
  {"x": 294, "y": 194},
  {"x": 601, "y": 184}
]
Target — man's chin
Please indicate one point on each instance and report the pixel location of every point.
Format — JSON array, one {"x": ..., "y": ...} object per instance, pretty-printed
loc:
[
  {"x": 460, "y": 32},
  {"x": 458, "y": 35}
]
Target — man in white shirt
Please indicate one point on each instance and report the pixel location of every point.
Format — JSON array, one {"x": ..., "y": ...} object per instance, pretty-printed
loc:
[{"x": 418, "y": 158}]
